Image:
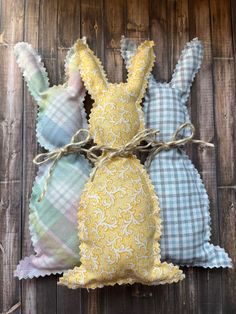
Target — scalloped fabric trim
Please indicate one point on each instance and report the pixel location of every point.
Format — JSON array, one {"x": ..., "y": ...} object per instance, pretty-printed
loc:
[
  {"x": 30, "y": 270},
  {"x": 207, "y": 237},
  {"x": 127, "y": 48},
  {"x": 26, "y": 268},
  {"x": 94, "y": 83},
  {"x": 42, "y": 140},
  {"x": 101, "y": 82},
  {"x": 194, "y": 43},
  {"x": 23, "y": 51},
  {"x": 21, "y": 61},
  {"x": 172, "y": 273},
  {"x": 133, "y": 65},
  {"x": 112, "y": 105},
  {"x": 69, "y": 56}
]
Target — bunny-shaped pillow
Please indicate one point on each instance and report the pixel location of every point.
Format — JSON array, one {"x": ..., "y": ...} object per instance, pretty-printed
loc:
[
  {"x": 118, "y": 217},
  {"x": 183, "y": 199},
  {"x": 52, "y": 221}
]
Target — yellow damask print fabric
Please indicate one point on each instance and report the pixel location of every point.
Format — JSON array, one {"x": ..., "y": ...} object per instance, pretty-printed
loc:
[{"x": 118, "y": 218}]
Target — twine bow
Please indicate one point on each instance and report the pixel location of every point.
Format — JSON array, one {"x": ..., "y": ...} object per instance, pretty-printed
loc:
[
  {"x": 107, "y": 153},
  {"x": 158, "y": 146},
  {"x": 73, "y": 147},
  {"x": 124, "y": 151}
]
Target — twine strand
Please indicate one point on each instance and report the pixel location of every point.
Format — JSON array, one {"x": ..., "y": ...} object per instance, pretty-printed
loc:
[
  {"x": 73, "y": 147},
  {"x": 100, "y": 154},
  {"x": 124, "y": 151},
  {"x": 158, "y": 146}
]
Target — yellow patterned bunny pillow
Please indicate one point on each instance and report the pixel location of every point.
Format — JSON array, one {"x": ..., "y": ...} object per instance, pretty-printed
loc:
[{"x": 118, "y": 218}]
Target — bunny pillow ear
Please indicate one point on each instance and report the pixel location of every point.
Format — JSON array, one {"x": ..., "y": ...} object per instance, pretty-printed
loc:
[
  {"x": 91, "y": 70},
  {"x": 33, "y": 69},
  {"x": 187, "y": 67},
  {"x": 140, "y": 68},
  {"x": 128, "y": 48},
  {"x": 73, "y": 78}
]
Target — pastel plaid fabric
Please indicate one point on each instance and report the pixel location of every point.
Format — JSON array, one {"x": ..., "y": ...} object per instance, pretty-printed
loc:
[
  {"x": 183, "y": 198},
  {"x": 61, "y": 116},
  {"x": 53, "y": 221}
]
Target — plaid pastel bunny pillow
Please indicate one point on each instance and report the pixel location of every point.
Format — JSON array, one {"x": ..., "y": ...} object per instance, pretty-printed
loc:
[
  {"x": 52, "y": 221},
  {"x": 183, "y": 198},
  {"x": 118, "y": 217}
]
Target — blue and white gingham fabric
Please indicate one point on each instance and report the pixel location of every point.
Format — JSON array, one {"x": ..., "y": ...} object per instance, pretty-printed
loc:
[{"x": 183, "y": 198}]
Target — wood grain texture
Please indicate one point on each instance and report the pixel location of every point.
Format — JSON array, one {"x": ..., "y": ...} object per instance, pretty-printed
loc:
[
  {"x": 202, "y": 114},
  {"x": 225, "y": 115},
  {"x": 159, "y": 33},
  {"x": 46, "y": 288},
  {"x": 68, "y": 25},
  {"x": 52, "y": 27},
  {"x": 28, "y": 288},
  {"x": 11, "y": 147},
  {"x": 92, "y": 26}
]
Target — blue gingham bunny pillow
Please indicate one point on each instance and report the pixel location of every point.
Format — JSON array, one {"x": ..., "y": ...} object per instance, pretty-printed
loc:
[{"x": 183, "y": 198}]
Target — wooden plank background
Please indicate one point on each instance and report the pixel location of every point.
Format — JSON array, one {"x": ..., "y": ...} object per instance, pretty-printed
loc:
[{"x": 51, "y": 26}]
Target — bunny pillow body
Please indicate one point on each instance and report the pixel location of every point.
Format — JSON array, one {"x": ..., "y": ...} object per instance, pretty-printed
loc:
[
  {"x": 118, "y": 216},
  {"x": 183, "y": 198},
  {"x": 52, "y": 221}
]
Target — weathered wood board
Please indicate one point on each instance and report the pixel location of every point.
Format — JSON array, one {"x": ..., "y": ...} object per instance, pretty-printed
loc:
[{"x": 51, "y": 26}]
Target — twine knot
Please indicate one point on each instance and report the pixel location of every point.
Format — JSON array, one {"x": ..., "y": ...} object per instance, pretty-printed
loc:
[
  {"x": 158, "y": 146},
  {"x": 99, "y": 154},
  {"x": 128, "y": 149},
  {"x": 74, "y": 146}
]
